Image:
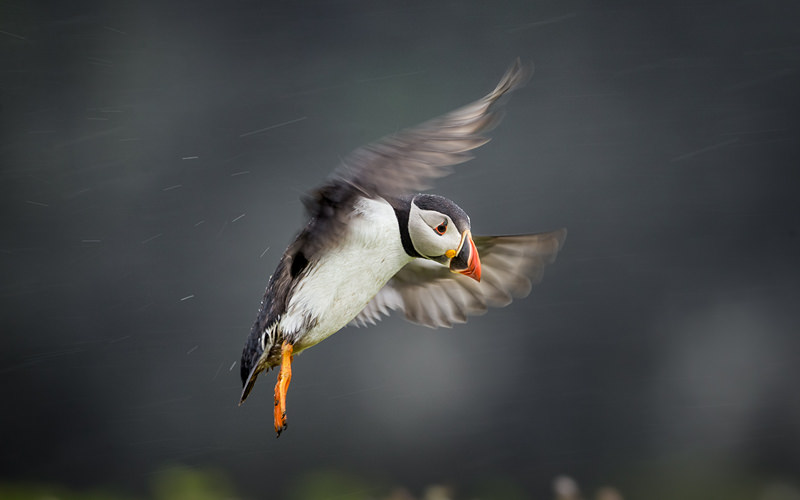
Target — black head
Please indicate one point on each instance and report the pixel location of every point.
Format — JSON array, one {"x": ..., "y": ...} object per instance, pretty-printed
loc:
[
  {"x": 440, "y": 231},
  {"x": 434, "y": 202}
]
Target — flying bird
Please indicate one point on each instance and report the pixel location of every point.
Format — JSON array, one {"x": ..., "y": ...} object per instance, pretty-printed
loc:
[{"x": 373, "y": 244}]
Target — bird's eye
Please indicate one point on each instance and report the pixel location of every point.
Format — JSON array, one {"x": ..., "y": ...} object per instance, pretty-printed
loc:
[{"x": 441, "y": 228}]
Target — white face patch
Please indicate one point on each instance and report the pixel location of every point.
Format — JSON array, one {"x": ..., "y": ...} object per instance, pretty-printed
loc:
[{"x": 432, "y": 233}]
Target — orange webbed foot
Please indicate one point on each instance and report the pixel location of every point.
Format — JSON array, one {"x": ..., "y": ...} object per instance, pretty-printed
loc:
[{"x": 284, "y": 377}]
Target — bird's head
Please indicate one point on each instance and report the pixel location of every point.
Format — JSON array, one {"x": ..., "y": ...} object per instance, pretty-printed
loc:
[{"x": 440, "y": 231}]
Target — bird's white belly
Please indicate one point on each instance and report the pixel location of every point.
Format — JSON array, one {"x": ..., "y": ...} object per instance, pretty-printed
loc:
[{"x": 348, "y": 276}]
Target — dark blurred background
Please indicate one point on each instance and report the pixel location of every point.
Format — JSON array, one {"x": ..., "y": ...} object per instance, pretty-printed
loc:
[{"x": 152, "y": 157}]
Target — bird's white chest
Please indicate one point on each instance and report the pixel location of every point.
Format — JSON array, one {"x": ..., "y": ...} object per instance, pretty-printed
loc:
[{"x": 348, "y": 275}]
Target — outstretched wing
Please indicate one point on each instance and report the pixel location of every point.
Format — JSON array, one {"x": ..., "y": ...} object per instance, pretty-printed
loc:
[
  {"x": 408, "y": 161},
  {"x": 429, "y": 294}
]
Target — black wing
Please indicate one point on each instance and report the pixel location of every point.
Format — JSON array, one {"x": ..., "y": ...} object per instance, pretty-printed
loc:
[
  {"x": 430, "y": 294},
  {"x": 405, "y": 162},
  {"x": 263, "y": 334}
]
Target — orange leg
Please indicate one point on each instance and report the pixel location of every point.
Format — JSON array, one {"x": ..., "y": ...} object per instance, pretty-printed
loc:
[{"x": 284, "y": 377}]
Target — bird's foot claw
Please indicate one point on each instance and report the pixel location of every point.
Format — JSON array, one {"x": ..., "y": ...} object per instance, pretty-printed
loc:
[
  {"x": 280, "y": 418},
  {"x": 278, "y": 430}
]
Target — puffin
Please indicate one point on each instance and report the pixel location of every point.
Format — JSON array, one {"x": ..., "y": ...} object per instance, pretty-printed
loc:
[{"x": 376, "y": 243}]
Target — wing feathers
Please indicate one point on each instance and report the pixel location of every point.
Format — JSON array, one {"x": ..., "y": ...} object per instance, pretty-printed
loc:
[
  {"x": 382, "y": 168},
  {"x": 406, "y": 162},
  {"x": 429, "y": 294}
]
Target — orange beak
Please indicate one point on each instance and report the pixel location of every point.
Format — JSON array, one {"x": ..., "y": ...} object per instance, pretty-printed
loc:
[{"x": 467, "y": 261}]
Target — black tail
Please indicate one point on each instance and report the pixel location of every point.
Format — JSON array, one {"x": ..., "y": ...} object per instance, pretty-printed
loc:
[{"x": 251, "y": 354}]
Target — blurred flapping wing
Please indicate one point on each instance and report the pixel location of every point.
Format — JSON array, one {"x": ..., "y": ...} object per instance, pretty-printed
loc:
[
  {"x": 429, "y": 294},
  {"x": 406, "y": 162}
]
